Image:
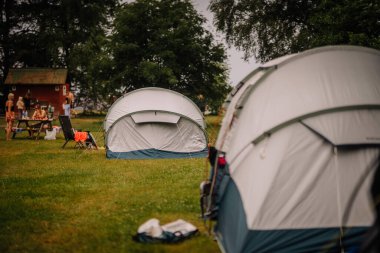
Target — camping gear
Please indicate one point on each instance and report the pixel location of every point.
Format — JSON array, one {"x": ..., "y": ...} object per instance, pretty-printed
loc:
[
  {"x": 301, "y": 138},
  {"x": 154, "y": 123},
  {"x": 82, "y": 139},
  {"x": 173, "y": 232}
]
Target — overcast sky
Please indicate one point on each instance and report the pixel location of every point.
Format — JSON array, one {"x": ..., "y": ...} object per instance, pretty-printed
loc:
[{"x": 238, "y": 67}]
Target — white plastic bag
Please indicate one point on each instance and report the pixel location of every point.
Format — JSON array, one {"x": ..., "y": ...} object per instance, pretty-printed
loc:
[
  {"x": 50, "y": 134},
  {"x": 181, "y": 226},
  {"x": 151, "y": 227}
]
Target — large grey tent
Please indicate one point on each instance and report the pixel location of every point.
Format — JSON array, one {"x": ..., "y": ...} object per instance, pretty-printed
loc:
[
  {"x": 154, "y": 123},
  {"x": 301, "y": 137}
]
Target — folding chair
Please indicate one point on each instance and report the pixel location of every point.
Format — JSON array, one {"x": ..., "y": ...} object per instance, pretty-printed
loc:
[{"x": 69, "y": 132}]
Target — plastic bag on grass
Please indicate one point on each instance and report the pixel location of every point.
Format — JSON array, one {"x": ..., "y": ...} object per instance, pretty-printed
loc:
[
  {"x": 50, "y": 134},
  {"x": 152, "y": 232}
]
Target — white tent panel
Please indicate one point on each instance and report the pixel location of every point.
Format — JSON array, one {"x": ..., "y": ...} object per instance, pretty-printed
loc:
[
  {"x": 228, "y": 119},
  {"x": 150, "y": 99},
  {"x": 324, "y": 80},
  {"x": 154, "y": 116},
  {"x": 294, "y": 179},
  {"x": 277, "y": 61},
  {"x": 301, "y": 140},
  {"x": 348, "y": 127},
  {"x": 185, "y": 136},
  {"x": 355, "y": 165}
]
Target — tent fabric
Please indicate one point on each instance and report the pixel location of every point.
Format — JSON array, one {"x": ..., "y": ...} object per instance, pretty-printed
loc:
[
  {"x": 314, "y": 190},
  {"x": 150, "y": 116},
  {"x": 317, "y": 80},
  {"x": 233, "y": 102},
  {"x": 153, "y": 99},
  {"x": 348, "y": 127},
  {"x": 233, "y": 235},
  {"x": 301, "y": 137},
  {"x": 148, "y": 123},
  {"x": 183, "y": 137},
  {"x": 154, "y": 154}
]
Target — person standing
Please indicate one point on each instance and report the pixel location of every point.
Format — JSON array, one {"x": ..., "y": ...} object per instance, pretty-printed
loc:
[
  {"x": 20, "y": 107},
  {"x": 50, "y": 111},
  {"x": 66, "y": 107},
  {"x": 9, "y": 115},
  {"x": 70, "y": 97},
  {"x": 27, "y": 98}
]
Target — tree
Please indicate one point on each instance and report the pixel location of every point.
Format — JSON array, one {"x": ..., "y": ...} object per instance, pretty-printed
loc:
[
  {"x": 163, "y": 43},
  {"x": 52, "y": 33},
  {"x": 94, "y": 72},
  {"x": 268, "y": 29},
  {"x": 11, "y": 27}
]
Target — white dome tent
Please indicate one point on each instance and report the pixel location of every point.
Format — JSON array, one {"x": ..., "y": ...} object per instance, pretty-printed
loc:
[
  {"x": 154, "y": 123},
  {"x": 301, "y": 137}
]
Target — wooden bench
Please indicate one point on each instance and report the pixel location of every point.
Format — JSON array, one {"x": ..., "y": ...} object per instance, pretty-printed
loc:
[
  {"x": 18, "y": 129},
  {"x": 36, "y": 128}
]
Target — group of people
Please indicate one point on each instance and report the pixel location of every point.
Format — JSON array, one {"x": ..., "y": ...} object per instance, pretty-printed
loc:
[
  {"x": 10, "y": 113},
  {"x": 22, "y": 108}
]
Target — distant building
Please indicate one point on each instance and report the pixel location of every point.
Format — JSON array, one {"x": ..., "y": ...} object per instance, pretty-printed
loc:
[{"x": 44, "y": 85}]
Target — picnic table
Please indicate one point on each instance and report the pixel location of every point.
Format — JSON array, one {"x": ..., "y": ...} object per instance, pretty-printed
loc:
[{"x": 33, "y": 126}]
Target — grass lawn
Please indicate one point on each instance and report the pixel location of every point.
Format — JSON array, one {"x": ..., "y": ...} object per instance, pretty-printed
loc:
[{"x": 69, "y": 200}]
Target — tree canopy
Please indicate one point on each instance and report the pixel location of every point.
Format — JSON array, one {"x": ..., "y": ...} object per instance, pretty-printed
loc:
[
  {"x": 163, "y": 43},
  {"x": 110, "y": 47},
  {"x": 44, "y": 33},
  {"x": 268, "y": 29}
]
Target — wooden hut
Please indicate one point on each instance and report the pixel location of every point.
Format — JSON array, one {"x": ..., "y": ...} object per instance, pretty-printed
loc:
[{"x": 44, "y": 85}]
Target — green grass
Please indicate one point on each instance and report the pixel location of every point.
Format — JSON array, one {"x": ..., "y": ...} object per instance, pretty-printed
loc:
[{"x": 69, "y": 200}]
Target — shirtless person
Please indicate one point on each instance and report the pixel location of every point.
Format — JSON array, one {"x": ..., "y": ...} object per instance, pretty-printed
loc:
[{"x": 39, "y": 113}]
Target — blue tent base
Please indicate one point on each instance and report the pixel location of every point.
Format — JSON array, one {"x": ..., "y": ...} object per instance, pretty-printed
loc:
[
  {"x": 154, "y": 154},
  {"x": 303, "y": 240},
  {"x": 233, "y": 234}
]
